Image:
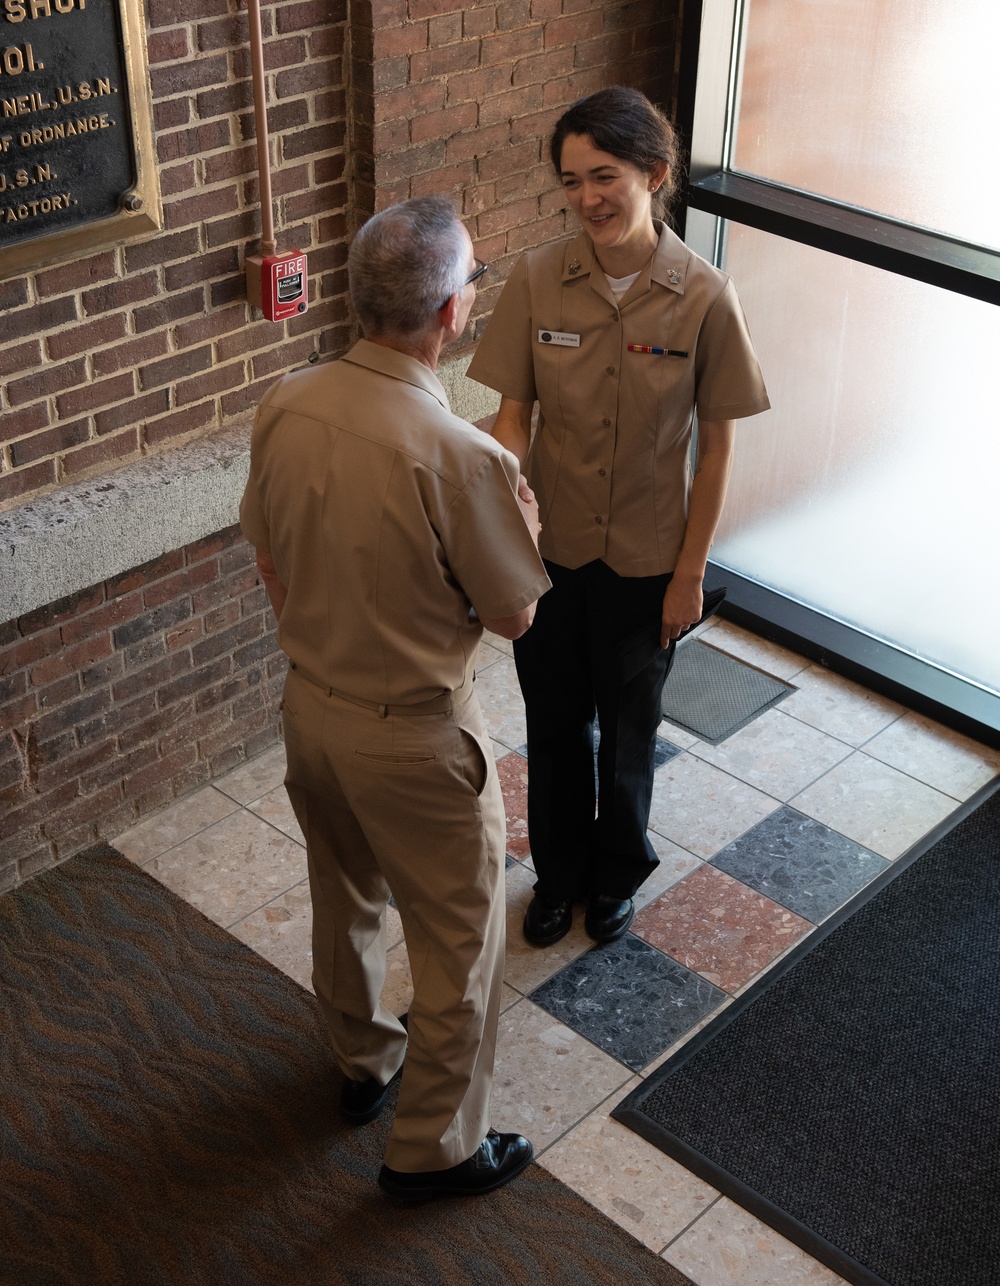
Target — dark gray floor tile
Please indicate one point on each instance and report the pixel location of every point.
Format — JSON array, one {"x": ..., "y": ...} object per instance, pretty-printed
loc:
[
  {"x": 800, "y": 863},
  {"x": 629, "y": 999}
]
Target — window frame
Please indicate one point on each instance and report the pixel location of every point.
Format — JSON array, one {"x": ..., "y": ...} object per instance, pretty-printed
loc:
[{"x": 708, "y": 88}]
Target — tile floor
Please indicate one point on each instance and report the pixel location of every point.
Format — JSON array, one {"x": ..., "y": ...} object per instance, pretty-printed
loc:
[{"x": 760, "y": 838}]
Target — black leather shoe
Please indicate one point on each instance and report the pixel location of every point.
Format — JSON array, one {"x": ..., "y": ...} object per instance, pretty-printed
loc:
[
  {"x": 608, "y": 917},
  {"x": 362, "y": 1101},
  {"x": 497, "y": 1160},
  {"x": 547, "y": 922}
]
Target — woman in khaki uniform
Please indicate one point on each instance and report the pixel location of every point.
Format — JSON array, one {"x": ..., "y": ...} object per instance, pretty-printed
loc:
[{"x": 620, "y": 334}]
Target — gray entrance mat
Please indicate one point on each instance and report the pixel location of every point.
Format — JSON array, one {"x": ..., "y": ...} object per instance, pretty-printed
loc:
[{"x": 712, "y": 695}]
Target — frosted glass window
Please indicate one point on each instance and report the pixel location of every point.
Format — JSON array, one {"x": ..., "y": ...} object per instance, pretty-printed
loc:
[
  {"x": 889, "y": 106},
  {"x": 869, "y": 490}
]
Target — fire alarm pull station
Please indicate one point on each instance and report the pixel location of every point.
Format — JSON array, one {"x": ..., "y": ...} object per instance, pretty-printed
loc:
[{"x": 278, "y": 284}]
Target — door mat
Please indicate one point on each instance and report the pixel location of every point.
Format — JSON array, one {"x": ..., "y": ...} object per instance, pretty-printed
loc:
[{"x": 713, "y": 695}]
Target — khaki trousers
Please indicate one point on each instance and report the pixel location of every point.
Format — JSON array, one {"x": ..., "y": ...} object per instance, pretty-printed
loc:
[{"x": 409, "y": 803}]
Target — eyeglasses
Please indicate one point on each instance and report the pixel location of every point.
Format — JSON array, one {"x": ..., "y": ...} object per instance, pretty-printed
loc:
[{"x": 480, "y": 271}]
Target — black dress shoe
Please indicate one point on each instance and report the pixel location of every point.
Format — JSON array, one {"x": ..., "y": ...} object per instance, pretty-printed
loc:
[
  {"x": 608, "y": 917},
  {"x": 362, "y": 1101},
  {"x": 497, "y": 1160},
  {"x": 547, "y": 922}
]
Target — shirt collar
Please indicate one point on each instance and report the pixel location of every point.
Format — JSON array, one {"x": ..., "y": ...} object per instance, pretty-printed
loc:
[
  {"x": 668, "y": 267},
  {"x": 398, "y": 366}
]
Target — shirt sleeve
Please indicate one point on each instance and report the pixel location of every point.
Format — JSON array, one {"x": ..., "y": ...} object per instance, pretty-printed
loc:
[
  {"x": 252, "y": 519},
  {"x": 729, "y": 380},
  {"x": 487, "y": 544},
  {"x": 503, "y": 360}
]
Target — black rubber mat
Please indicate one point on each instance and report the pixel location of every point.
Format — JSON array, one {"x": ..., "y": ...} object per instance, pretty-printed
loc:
[
  {"x": 851, "y": 1103},
  {"x": 712, "y": 695}
]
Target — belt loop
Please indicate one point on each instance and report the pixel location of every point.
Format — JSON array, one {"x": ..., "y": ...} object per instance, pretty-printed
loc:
[{"x": 383, "y": 712}]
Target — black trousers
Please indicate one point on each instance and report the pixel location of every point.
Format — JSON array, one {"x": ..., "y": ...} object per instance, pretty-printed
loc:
[{"x": 593, "y": 650}]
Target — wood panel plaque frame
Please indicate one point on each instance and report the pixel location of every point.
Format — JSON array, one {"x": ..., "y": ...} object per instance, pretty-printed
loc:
[{"x": 78, "y": 166}]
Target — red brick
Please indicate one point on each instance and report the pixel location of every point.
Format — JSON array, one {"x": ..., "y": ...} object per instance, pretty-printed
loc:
[
  {"x": 313, "y": 13},
  {"x": 188, "y": 142},
  {"x": 169, "y": 310},
  {"x": 182, "y": 78},
  {"x": 71, "y": 276},
  {"x": 604, "y": 50},
  {"x": 444, "y": 179},
  {"x": 444, "y": 125},
  {"x": 20, "y": 357},
  {"x": 59, "y": 438},
  {"x": 538, "y": 125},
  {"x": 502, "y": 50},
  {"x": 13, "y": 294},
  {"x": 196, "y": 209},
  {"x": 217, "y": 380},
  {"x": 171, "y": 113},
  {"x": 204, "y": 267},
  {"x": 101, "y": 393},
  {"x": 408, "y": 39},
  {"x": 444, "y": 30},
  {"x": 18, "y": 424},
  {"x": 222, "y": 33},
  {"x": 103, "y": 617},
  {"x": 522, "y": 157},
  {"x": 177, "y": 179},
  {"x": 543, "y": 67},
  {"x": 23, "y": 482},
  {"x": 504, "y": 217},
  {"x": 131, "y": 353},
  {"x": 211, "y": 326},
  {"x": 442, "y": 62},
  {"x": 306, "y": 77},
  {"x": 161, "y": 249},
  {"x": 183, "y": 636},
  {"x": 120, "y": 294},
  {"x": 100, "y": 454},
  {"x": 483, "y": 142},
  {"x": 480, "y": 21},
  {"x": 410, "y": 102},
  {"x": 167, "y": 46},
  {"x": 284, "y": 358},
  {"x": 131, "y": 413},
  {"x": 516, "y": 102},
  {"x": 38, "y": 319},
  {"x": 178, "y": 424}
]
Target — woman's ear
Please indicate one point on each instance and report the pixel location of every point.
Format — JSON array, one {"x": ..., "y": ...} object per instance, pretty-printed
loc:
[{"x": 658, "y": 174}]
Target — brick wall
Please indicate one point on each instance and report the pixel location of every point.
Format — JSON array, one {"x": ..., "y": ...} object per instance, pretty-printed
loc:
[
  {"x": 123, "y": 697},
  {"x": 136, "y": 348},
  {"x": 130, "y": 693}
]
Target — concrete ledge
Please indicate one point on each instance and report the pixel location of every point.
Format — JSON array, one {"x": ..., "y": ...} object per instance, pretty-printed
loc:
[{"x": 82, "y": 534}]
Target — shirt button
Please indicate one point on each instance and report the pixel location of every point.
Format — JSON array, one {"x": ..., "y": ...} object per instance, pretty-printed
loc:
[
  {"x": 602, "y": 473},
  {"x": 606, "y": 422},
  {"x": 611, "y": 370},
  {"x": 599, "y": 520}
]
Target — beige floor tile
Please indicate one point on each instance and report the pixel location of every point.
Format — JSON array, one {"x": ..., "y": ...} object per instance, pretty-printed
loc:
[
  {"x": 256, "y": 777},
  {"x": 281, "y": 932},
  {"x": 639, "y": 1187},
  {"x": 876, "y": 805},
  {"x": 232, "y": 868},
  {"x": 528, "y": 966},
  {"x": 173, "y": 824},
  {"x": 702, "y": 808},
  {"x": 675, "y": 863},
  {"x": 547, "y": 1077},
  {"x": 835, "y": 705},
  {"x": 676, "y": 735},
  {"x": 936, "y": 755},
  {"x": 727, "y": 1246},
  {"x": 758, "y": 652},
  {"x": 503, "y": 707},
  {"x": 499, "y": 644},
  {"x": 776, "y": 753},
  {"x": 489, "y": 654},
  {"x": 275, "y": 807}
]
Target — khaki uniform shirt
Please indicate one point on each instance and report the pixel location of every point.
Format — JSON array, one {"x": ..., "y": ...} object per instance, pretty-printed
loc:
[
  {"x": 387, "y": 517},
  {"x": 610, "y": 459}
]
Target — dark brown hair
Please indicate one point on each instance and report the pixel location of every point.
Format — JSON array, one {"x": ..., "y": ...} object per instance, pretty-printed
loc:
[{"x": 624, "y": 123}]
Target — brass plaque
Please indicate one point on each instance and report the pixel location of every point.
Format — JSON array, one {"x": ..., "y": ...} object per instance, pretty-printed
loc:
[{"x": 77, "y": 167}]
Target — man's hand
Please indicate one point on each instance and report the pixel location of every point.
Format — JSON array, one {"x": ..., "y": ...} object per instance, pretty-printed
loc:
[
  {"x": 528, "y": 506},
  {"x": 682, "y": 606}
]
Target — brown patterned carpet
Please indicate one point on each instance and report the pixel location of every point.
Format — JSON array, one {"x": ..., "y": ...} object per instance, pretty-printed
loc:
[{"x": 168, "y": 1117}]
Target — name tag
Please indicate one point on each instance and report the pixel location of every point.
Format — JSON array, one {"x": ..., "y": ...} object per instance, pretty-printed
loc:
[{"x": 561, "y": 337}]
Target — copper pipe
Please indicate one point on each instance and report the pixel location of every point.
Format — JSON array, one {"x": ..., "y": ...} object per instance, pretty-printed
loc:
[{"x": 268, "y": 245}]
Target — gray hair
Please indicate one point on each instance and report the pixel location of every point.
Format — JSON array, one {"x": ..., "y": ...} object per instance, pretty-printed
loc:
[{"x": 405, "y": 263}]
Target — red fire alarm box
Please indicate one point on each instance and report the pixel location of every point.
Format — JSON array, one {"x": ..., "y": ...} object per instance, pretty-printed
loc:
[{"x": 278, "y": 284}]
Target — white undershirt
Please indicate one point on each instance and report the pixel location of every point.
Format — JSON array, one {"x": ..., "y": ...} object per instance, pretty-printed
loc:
[{"x": 620, "y": 285}]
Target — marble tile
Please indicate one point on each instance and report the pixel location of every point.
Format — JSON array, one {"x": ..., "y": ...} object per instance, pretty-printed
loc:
[
  {"x": 281, "y": 932},
  {"x": 776, "y": 753},
  {"x": 799, "y": 862},
  {"x": 628, "y": 998},
  {"x": 935, "y": 755},
  {"x": 174, "y": 824},
  {"x": 276, "y": 808},
  {"x": 547, "y": 1077},
  {"x": 489, "y": 654},
  {"x": 527, "y": 966},
  {"x": 769, "y": 657},
  {"x": 702, "y": 808},
  {"x": 512, "y": 770},
  {"x": 497, "y": 643},
  {"x": 727, "y": 1246},
  {"x": 232, "y": 868},
  {"x": 876, "y": 805},
  {"x": 719, "y": 928},
  {"x": 635, "y": 1184},
  {"x": 502, "y": 704},
  {"x": 674, "y": 735},
  {"x": 836, "y": 705},
  {"x": 255, "y": 777},
  {"x": 675, "y": 863}
]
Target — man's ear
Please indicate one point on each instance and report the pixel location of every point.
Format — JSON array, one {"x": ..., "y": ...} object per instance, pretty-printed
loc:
[{"x": 448, "y": 314}]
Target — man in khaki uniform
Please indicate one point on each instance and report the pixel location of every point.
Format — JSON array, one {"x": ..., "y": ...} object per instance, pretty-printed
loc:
[{"x": 388, "y": 533}]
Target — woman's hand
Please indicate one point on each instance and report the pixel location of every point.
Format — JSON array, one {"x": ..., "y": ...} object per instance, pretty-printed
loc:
[
  {"x": 682, "y": 606},
  {"x": 528, "y": 506}
]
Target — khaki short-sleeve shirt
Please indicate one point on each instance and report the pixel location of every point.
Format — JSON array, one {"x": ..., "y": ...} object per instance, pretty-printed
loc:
[
  {"x": 387, "y": 518},
  {"x": 610, "y": 459}
]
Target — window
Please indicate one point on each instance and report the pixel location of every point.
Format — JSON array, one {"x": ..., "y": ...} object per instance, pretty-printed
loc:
[{"x": 839, "y": 172}]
